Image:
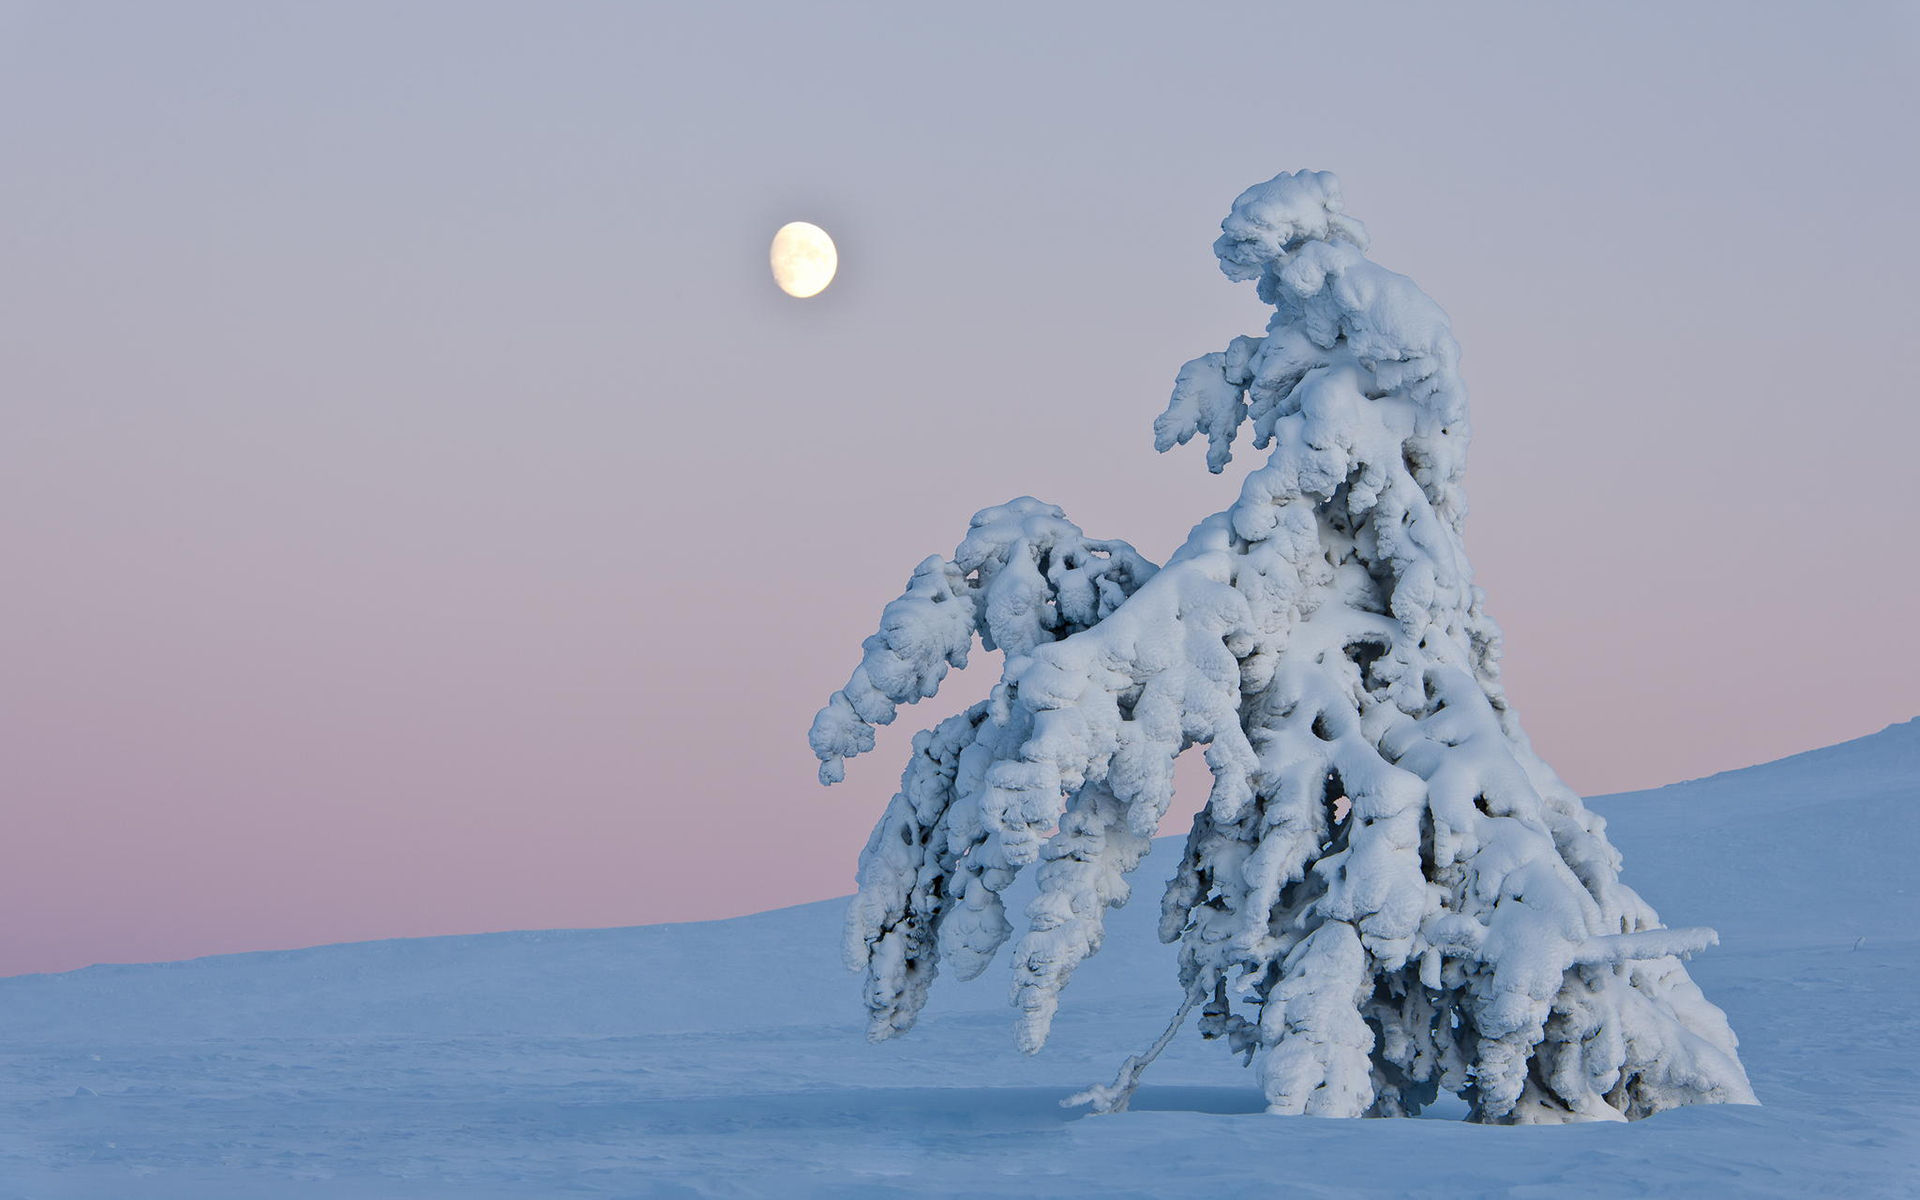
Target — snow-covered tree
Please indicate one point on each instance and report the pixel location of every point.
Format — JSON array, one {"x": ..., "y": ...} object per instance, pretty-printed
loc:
[{"x": 1387, "y": 894}]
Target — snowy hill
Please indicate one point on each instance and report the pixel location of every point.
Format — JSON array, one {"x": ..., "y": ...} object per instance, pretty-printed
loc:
[{"x": 727, "y": 1058}]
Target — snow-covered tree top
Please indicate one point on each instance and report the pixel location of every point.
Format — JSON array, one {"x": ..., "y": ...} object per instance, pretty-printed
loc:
[{"x": 1271, "y": 220}]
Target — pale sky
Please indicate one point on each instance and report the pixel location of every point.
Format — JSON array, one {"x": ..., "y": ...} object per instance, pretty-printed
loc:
[{"x": 423, "y": 514}]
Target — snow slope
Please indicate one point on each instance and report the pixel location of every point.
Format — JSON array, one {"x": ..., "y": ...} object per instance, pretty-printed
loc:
[{"x": 727, "y": 1058}]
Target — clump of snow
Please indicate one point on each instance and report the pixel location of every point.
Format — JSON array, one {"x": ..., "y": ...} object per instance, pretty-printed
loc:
[{"x": 1388, "y": 895}]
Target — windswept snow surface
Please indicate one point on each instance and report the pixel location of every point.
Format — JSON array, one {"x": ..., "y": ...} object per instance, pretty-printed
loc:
[{"x": 728, "y": 1058}]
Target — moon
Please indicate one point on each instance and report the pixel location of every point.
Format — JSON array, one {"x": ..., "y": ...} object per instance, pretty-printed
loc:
[{"x": 803, "y": 259}]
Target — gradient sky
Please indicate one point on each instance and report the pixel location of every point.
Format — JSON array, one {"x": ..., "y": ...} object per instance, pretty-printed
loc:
[{"x": 422, "y": 514}]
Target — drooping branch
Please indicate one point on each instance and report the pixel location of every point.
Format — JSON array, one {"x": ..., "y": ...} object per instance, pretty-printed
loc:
[{"x": 1024, "y": 575}]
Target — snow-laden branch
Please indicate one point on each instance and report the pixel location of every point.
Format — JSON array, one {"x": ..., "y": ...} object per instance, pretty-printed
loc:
[{"x": 1024, "y": 575}]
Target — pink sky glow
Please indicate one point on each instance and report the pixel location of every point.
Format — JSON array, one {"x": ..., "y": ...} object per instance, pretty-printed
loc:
[{"x": 423, "y": 514}]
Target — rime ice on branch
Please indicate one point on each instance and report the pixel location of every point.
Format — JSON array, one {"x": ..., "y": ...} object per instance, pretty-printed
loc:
[{"x": 1387, "y": 894}]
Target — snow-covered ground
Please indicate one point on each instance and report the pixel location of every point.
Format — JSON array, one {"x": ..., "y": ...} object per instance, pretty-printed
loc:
[{"x": 726, "y": 1058}]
